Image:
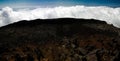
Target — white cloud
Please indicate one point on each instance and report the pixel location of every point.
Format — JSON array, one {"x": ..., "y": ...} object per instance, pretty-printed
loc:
[{"x": 108, "y": 14}]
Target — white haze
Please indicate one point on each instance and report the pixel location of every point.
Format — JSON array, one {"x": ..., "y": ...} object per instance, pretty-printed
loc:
[{"x": 108, "y": 14}]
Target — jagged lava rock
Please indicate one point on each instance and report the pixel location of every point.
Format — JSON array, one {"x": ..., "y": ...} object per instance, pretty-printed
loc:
[{"x": 62, "y": 39}]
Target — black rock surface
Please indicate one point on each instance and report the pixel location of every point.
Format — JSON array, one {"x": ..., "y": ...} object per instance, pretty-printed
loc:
[{"x": 62, "y": 39}]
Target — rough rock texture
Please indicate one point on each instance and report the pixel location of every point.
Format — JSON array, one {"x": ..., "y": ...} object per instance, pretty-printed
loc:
[{"x": 64, "y": 39}]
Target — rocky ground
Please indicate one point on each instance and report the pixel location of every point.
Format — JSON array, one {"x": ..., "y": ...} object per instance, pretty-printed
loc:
[{"x": 64, "y": 39}]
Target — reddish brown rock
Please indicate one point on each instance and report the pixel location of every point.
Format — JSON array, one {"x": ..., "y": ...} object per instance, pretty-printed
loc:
[{"x": 64, "y": 39}]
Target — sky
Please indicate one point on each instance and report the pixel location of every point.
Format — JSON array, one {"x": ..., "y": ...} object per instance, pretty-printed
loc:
[
  {"x": 16, "y": 10},
  {"x": 25, "y": 3}
]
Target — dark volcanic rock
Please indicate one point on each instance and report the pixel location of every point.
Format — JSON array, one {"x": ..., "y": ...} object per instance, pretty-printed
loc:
[{"x": 64, "y": 39}]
